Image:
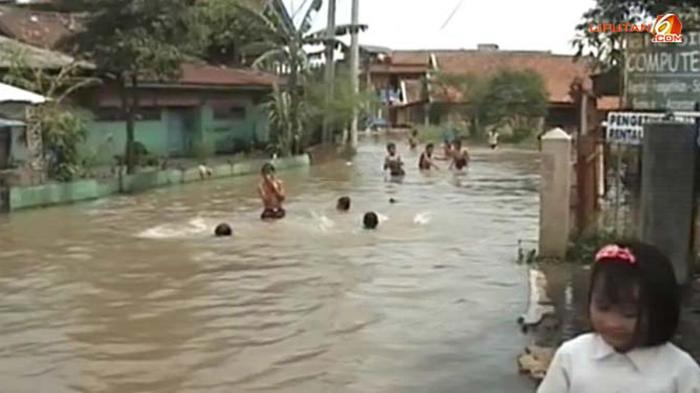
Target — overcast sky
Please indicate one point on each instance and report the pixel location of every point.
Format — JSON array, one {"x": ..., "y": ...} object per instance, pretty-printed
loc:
[{"x": 419, "y": 24}]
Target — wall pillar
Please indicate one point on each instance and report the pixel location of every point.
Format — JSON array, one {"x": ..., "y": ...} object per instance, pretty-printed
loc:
[{"x": 555, "y": 194}]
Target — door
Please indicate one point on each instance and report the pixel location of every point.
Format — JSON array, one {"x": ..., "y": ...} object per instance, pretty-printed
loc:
[
  {"x": 176, "y": 132},
  {"x": 5, "y": 139}
]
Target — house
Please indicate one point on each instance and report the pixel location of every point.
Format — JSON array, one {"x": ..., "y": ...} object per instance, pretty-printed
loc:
[
  {"x": 15, "y": 139},
  {"x": 409, "y": 71},
  {"x": 206, "y": 110}
]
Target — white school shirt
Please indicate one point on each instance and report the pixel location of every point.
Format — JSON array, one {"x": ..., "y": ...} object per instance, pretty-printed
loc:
[{"x": 587, "y": 364}]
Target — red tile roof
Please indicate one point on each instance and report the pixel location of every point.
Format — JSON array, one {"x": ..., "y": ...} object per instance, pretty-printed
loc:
[
  {"x": 608, "y": 103},
  {"x": 558, "y": 71},
  {"x": 399, "y": 68},
  {"x": 207, "y": 75}
]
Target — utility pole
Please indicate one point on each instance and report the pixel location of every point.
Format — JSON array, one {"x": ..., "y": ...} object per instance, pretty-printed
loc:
[
  {"x": 330, "y": 71},
  {"x": 355, "y": 67}
]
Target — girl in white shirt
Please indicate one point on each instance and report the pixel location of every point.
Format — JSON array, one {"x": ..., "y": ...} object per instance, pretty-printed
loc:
[{"x": 634, "y": 306}]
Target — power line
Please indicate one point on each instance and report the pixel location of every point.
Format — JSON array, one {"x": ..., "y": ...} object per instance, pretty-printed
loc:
[{"x": 454, "y": 11}]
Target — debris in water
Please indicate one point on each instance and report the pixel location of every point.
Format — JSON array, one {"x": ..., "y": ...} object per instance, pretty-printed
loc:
[
  {"x": 535, "y": 361},
  {"x": 539, "y": 304}
]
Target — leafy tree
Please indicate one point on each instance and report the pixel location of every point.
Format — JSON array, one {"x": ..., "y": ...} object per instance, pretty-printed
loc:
[
  {"x": 516, "y": 99},
  {"x": 340, "y": 109},
  {"x": 467, "y": 89},
  {"x": 606, "y": 47},
  {"x": 62, "y": 127},
  {"x": 135, "y": 40},
  {"x": 283, "y": 122},
  {"x": 227, "y": 30}
]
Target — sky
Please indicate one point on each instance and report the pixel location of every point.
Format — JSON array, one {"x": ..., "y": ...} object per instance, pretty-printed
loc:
[{"x": 421, "y": 24}]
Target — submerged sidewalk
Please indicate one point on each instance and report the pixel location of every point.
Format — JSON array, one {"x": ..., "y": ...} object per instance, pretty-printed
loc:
[{"x": 187, "y": 171}]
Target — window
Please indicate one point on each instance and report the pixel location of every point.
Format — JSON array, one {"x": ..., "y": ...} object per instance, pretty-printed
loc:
[
  {"x": 116, "y": 114},
  {"x": 109, "y": 114},
  {"x": 149, "y": 114},
  {"x": 229, "y": 113}
]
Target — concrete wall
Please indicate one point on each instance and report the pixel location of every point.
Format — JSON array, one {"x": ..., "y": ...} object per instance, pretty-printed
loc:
[
  {"x": 60, "y": 193},
  {"x": 63, "y": 193}
]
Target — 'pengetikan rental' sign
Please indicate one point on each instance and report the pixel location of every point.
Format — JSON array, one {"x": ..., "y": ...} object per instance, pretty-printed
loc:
[
  {"x": 627, "y": 128},
  {"x": 662, "y": 76}
]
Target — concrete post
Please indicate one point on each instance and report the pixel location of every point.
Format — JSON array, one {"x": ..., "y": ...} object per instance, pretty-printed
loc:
[
  {"x": 555, "y": 194},
  {"x": 355, "y": 68}
]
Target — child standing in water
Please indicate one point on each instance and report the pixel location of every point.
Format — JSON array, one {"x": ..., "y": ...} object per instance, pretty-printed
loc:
[
  {"x": 393, "y": 161},
  {"x": 460, "y": 156},
  {"x": 272, "y": 193},
  {"x": 425, "y": 162},
  {"x": 493, "y": 139},
  {"x": 413, "y": 139},
  {"x": 446, "y": 151},
  {"x": 634, "y": 307}
]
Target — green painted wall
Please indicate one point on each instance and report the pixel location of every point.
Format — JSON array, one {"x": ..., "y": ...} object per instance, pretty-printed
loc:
[
  {"x": 108, "y": 138},
  {"x": 228, "y": 136}
]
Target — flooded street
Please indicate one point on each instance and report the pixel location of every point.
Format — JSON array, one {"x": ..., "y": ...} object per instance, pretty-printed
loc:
[{"x": 134, "y": 294}]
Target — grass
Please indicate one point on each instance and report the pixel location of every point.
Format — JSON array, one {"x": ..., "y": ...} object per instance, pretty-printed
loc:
[{"x": 583, "y": 250}]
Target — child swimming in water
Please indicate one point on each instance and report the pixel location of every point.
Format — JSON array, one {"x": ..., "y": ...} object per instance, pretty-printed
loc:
[
  {"x": 425, "y": 162},
  {"x": 272, "y": 193},
  {"x": 460, "y": 156},
  {"x": 223, "y": 230},
  {"x": 393, "y": 161},
  {"x": 370, "y": 220},
  {"x": 343, "y": 204}
]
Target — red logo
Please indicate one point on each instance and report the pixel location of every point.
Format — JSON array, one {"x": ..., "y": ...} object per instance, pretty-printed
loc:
[{"x": 667, "y": 28}]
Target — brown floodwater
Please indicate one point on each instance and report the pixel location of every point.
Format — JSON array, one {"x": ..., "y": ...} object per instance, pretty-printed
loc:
[{"x": 134, "y": 294}]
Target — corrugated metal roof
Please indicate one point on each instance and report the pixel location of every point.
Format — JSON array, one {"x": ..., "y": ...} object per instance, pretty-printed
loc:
[
  {"x": 33, "y": 56},
  {"x": 11, "y": 123}
]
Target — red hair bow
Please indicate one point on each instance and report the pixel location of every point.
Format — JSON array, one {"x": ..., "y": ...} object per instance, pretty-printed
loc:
[{"x": 614, "y": 251}]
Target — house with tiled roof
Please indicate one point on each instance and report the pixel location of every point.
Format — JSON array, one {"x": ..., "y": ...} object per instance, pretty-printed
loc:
[
  {"x": 217, "y": 109},
  {"x": 408, "y": 72}
]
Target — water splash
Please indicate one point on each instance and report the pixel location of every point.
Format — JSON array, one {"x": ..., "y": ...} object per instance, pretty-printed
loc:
[
  {"x": 194, "y": 226},
  {"x": 423, "y": 218}
]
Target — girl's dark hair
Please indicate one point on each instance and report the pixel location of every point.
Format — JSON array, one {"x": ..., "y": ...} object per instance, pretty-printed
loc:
[
  {"x": 390, "y": 145},
  {"x": 659, "y": 295},
  {"x": 344, "y": 203},
  {"x": 370, "y": 220},
  {"x": 429, "y": 146}
]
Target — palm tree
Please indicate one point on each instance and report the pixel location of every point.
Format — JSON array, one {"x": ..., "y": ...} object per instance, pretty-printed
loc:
[{"x": 281, "y": 48}]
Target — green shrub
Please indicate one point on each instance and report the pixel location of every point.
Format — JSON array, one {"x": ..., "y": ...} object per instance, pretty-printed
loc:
[{"x": 583, "y": 250}]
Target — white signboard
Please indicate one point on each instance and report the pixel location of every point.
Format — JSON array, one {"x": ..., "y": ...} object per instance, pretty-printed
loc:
[{"x": 627, "y": 127}]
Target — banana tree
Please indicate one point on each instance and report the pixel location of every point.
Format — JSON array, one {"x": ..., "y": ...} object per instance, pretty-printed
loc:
[{"x": 282, "y": 48}]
